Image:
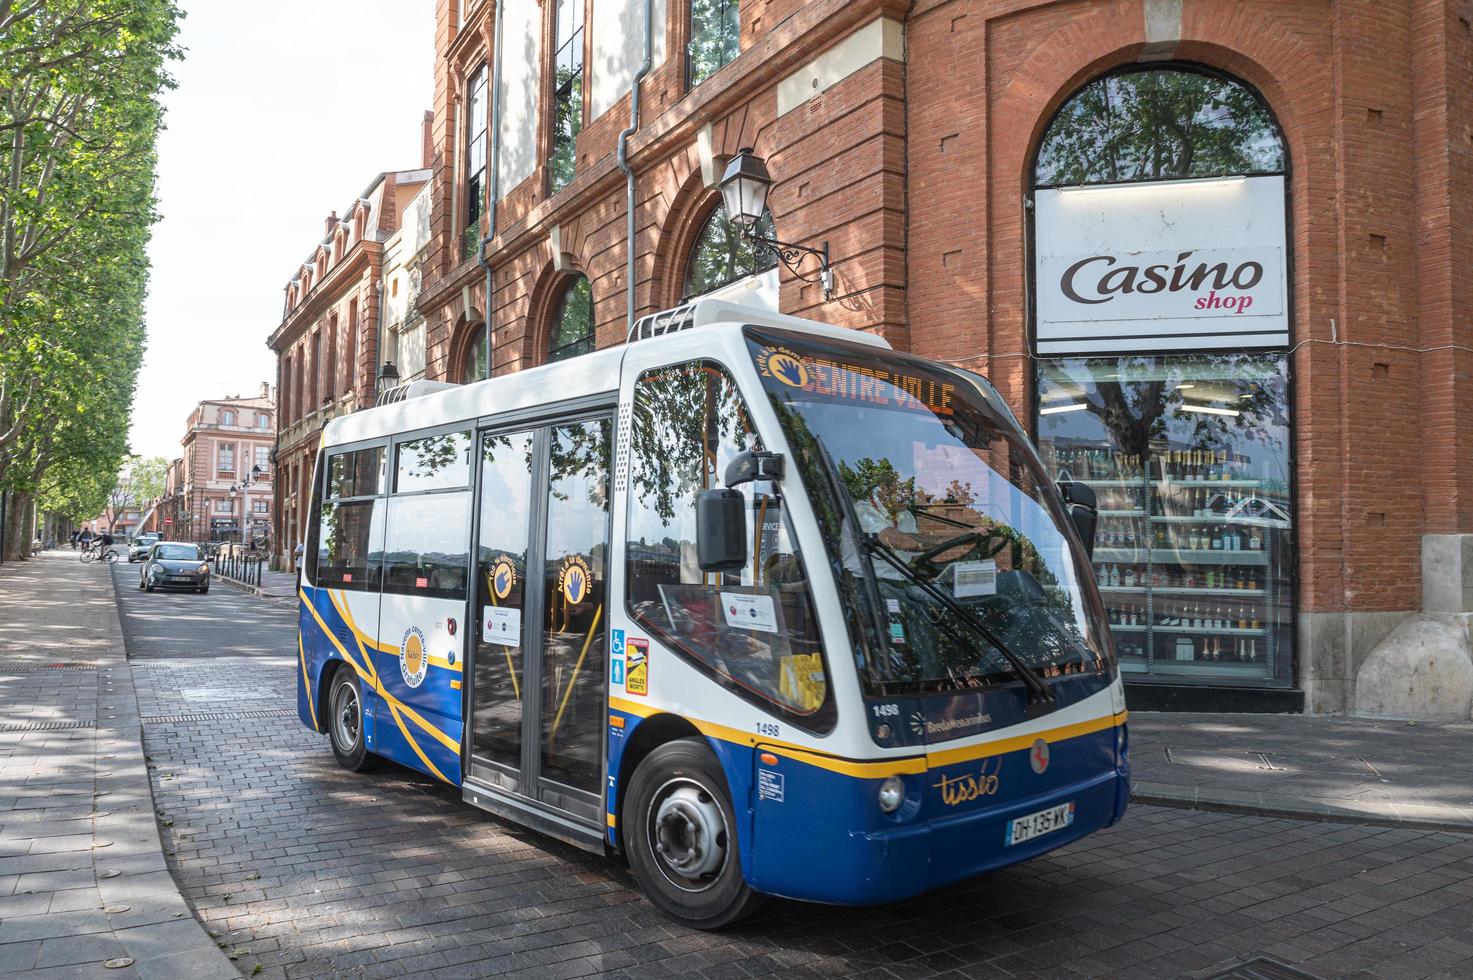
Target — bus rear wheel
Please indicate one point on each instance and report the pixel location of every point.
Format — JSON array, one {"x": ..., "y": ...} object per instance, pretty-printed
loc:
[
  {"x": 345, "y": 722},
  {"x": 680, "y": 834}
]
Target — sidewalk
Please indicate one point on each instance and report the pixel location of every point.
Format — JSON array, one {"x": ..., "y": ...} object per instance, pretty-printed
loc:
[
  {"x": 274, "y": 585},
  {"x": 84, "y": 888},
  {"x": 1315, "y": 768}
]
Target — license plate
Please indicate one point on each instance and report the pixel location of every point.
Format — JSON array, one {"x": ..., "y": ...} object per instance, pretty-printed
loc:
[{"x": 1040, "y": 823}]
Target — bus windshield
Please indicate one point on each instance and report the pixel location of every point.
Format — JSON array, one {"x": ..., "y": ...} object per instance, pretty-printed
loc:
[{"x": 932, "y": 504}]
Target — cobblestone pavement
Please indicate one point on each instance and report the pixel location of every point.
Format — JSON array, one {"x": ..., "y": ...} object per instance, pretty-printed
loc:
[{"x": 309, "y": 870}]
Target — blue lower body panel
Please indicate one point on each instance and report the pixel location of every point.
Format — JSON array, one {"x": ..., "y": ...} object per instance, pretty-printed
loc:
[{"x": 818, "y": 835}]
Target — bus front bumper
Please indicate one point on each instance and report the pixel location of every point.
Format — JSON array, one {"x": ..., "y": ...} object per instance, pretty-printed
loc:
[{"x": 897, "y": 862}]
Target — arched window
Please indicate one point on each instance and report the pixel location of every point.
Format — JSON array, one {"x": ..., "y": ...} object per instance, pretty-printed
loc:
[
  {"x": 723, "y": 254},
  {"x": 1155, "y": 124},
  {"x": 1161, "y": 328},
  {"x": 572, "y": 324},
  {"x": 475, "y": 357}
]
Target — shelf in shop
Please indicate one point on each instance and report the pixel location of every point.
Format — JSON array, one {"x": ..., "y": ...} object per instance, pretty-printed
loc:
[
  {"x": 1181, "y": 590},
  {"x": 1211, "y": 630},
  {"x": 1217, "y": 519},
  {"x": 1180, "y": 556}
]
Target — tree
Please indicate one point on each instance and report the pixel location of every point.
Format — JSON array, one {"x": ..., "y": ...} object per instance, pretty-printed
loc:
[{"x": 79, "y": 119}]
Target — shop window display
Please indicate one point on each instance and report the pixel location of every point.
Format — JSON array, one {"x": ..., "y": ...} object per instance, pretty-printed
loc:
[{"x": 1189, "y": 455}]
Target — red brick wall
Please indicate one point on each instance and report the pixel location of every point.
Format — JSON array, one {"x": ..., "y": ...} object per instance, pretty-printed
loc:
[{"x": 917, "y": 174}]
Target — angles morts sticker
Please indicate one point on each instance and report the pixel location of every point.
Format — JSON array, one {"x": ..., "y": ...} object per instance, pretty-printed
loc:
[
  {"x": 784, "y": 365},
  {"x": 413, "y": 661}
]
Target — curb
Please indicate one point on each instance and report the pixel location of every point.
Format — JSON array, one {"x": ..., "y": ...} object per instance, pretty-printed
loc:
[
  {"x": 1407, "y": 816},
  {"x": 159, "y": 929},
  {"x": 250, "y": 589}
]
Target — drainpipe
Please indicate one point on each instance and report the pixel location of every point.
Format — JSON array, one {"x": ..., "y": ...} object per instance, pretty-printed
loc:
[
  {"x": 624, "y": 165},
  {"x": 495, "y": 188},
  {"x": 378, "y": 353}
]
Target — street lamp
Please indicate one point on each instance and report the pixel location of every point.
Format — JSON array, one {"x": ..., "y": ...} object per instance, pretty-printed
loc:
[
  {"x": 388, "y": 377},
  {"x": 254, "y": 476},
  {"x": 744, "y": 188}
]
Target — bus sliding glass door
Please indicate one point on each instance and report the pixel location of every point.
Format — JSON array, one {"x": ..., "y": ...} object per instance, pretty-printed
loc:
[{"x": 537, "y": 699}]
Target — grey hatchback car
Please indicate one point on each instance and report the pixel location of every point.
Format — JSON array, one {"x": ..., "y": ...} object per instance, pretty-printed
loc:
[{"x": 175, "y": 565}]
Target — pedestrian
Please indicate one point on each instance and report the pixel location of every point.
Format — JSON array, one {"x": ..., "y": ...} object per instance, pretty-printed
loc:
[
  {"x": 36, "y": 546},
  {"x": 75, "y": 535},
  {"x": 297, "y": 553},
  {"x": 86, "y": 539}
]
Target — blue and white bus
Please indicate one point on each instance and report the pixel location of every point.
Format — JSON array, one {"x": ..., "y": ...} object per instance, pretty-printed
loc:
[{"x": 759, "y": 604}]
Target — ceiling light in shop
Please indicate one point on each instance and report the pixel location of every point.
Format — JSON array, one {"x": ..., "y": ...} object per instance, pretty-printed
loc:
[
  {"x": 1211, "y": 410},
  {"x": 1071, "y": 407},
  {"x": 1185, "y": 385}
]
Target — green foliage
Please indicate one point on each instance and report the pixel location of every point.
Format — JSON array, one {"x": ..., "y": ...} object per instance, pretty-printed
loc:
[
  {"x": 1155, "y": 124},
  {"x": 79, "y": 120},
  {"x": 723, "y": 254}
]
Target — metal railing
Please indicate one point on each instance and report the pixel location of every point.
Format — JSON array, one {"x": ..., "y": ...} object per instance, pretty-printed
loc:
[{"x": 244, "y": 569}]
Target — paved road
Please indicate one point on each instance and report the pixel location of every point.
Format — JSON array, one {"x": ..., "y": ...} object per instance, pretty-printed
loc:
[{"x": 309, "y": 870}]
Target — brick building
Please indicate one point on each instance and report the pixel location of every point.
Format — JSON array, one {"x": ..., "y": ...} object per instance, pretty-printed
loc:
[
  {"x": 221, "y": 488},
  {"x": 1207, "y": 250},
  {"x": 327, "y": 344}
]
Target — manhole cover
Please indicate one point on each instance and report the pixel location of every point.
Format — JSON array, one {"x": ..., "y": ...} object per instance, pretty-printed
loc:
[
  {"x": 1262, "y": 968},
  {"x": 118, "y": 963}
]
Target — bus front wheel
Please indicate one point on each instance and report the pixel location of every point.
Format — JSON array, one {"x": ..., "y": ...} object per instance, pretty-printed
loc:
[
  {"x": 345, "y": 722},
  {"x": 680, "y": 833}
]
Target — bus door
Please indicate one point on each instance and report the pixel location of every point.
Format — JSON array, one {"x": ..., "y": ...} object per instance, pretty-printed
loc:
[
  {"x": 538, "y": 698},
  {"x": 420, "y": 656}
]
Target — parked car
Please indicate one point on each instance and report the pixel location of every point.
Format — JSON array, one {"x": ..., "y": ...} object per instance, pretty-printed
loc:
[
  {"x": 175, "y": 565},
  {"x": 138, "y": 550}
]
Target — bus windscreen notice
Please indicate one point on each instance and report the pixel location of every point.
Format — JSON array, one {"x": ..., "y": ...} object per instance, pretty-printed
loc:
[{"x": 872, "y": 385}]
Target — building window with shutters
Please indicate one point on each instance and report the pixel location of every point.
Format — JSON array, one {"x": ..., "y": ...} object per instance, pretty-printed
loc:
[
  {"x": 715, "y": 38},
  {"x": 475, "y": 161},
  {"x": 567, "y": 96}
]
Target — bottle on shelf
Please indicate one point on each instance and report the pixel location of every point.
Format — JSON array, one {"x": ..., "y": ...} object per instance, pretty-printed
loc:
[{"x": 1255, "y": 543}]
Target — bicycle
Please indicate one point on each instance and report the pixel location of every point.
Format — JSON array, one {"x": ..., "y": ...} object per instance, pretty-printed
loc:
[{"x": 105, "y": 555}]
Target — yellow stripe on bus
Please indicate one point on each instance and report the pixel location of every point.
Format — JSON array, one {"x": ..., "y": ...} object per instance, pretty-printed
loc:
[
  {"x": 879, "y": 769},
  {"x": 302, "y": 657},
  {"x": 415, "y": 745},
  {"x": 393, "y": 702}
]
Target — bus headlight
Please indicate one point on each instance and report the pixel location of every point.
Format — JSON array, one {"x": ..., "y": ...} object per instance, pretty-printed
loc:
[{"x": 892, "y": 794}]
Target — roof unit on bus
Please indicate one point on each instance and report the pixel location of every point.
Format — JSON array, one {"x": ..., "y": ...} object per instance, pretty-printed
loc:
[
  {"x": 412, "y": 389},
  {"x": 701, "y": 312}
]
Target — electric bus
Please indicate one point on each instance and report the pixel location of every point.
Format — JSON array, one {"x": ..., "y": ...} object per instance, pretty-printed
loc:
[{"x": 759, "y": 604}]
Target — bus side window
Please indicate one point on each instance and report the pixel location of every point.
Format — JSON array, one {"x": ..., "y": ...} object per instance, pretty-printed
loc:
[
  {"x": 347, "y": 534},
  {"x": 754, "y": 629}
]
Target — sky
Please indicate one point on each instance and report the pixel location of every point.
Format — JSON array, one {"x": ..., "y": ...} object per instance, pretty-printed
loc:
[{"x": 285, "y": 111}]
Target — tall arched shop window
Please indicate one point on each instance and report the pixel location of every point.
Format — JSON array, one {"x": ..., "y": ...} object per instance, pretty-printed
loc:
[
  {"x": 722, "y": 254},
  {"x": 475, "y": 357},
  {"x": 572, "y": 325},
  {"x": 1161, "y": 328}
]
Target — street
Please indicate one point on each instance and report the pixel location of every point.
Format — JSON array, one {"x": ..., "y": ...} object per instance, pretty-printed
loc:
[{"x": 306, "y": 869}]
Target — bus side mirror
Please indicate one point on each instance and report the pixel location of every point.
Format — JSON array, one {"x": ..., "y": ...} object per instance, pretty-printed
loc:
[
  {"x": 1083, "y": 507},
  {"x": 721, "y": 530},
  {"x": 746, "y": 467}
]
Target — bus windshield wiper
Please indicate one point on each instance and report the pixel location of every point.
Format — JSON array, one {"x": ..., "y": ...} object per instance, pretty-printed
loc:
[
  {"x": 866, "y": 571},
  {"x": 1040, "y": 696}
]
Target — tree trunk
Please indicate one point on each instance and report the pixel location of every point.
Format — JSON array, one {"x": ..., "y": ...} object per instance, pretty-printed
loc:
[{"x": 18, "y": 533}]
